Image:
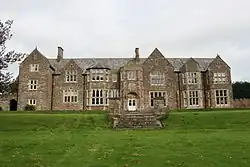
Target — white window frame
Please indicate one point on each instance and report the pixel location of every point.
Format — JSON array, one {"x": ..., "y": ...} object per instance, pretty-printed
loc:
[
  {"x": 157, "y": 78},
  {"x": 31, "y": 102},
  {"x": 219, "y": 78},
  {"x": 99, "y": 97},
  {"x": 33, "y": 84},
  {"x": 34, "y": 67},
  {"x": 131, "y": 75},
  {"x": 70, "y": 95},
  {"x": 70, "y": 76},
  {"x": 154, "y": 94},
  {"x": 221, "y": 97}
]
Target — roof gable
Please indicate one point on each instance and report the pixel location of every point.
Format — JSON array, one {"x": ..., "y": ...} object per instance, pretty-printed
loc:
[
  {"x": 218, "y": 59},
  {"x": 190, "y": 64}
]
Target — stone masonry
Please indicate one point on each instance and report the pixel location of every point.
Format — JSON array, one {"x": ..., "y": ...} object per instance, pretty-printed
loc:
[{"x": 123, "y": 84}]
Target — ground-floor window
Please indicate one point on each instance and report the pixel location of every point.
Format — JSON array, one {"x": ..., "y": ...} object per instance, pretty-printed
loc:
[
  {"x": 99, "y": 97},
  {"x": 70, "y": 95},
  {"x": 154, "y": 94},
  {"x": 221, "y": 97},
  {"x": 191, "y": 98},
  {"x": 32, "y": 102},
  {"x": 114, "y": 93}
]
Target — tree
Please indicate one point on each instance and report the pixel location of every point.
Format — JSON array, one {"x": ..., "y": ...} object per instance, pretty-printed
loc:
[
  {"x": 6, "y": 57},
  {"x": 241, "y": 90}
]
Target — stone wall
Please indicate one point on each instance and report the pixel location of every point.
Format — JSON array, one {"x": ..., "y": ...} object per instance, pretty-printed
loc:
[{"x": 5, "y": 101}]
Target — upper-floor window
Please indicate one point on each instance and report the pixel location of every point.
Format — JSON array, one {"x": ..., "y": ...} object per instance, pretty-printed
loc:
[
  {"x": 184, "y": 79},
  {"x": 131, "y": 75},
  {"x": 33, "y": 84},
  {"x": 192, "y": 77},
  {"x": 157, "y": 78},
  {"x": 114, "y": 77},
  {"x": 70, "y": 95},
  {"x": 97, "y": 74},
  {"x": 114, "y": 93},
  {"x": 70, "y": 76},
  {"x": 219, "y": 78},
  {"x": 34, "y": 67}
]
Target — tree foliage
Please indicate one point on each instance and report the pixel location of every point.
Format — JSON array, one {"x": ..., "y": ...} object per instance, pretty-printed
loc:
[
  {"x": 241, "y": 90},
  {"x": 6, "y": 57}
]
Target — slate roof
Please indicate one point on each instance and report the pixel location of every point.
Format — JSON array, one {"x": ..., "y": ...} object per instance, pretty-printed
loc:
[{"x": 116, "y": 63}]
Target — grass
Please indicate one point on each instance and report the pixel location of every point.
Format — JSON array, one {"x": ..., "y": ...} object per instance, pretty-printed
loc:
[{"x": 189, "y": 139}]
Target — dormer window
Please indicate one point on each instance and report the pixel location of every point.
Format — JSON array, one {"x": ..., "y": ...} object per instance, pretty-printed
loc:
[
  {"x": 70, "y": 76},
  {"x": 34, "y": 67}
]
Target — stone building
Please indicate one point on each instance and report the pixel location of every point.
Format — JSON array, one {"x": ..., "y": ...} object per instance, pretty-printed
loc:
[{"x": 130, "y": 84}]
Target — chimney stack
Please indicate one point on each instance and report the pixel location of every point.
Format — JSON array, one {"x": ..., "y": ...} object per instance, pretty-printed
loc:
[
  {"x": 59, "y": 53},
  {"x": 137, "y": 55}
]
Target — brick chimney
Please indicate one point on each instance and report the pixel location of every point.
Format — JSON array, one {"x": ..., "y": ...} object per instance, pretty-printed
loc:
[
  {"x": 59, "y": 53},
  {"x": 137, "y": 55}
]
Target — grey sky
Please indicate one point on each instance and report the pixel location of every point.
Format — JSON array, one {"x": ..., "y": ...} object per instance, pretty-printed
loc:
[{"x": 113, "y": 28}]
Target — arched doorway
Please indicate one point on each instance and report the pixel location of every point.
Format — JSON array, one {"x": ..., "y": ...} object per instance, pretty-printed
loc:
[
  {"x": 13, "y": 105},
  {"x": 132, "y": 101}
]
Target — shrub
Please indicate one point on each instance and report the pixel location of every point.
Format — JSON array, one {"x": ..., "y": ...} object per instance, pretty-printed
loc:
[
  {"x": 1, "y": 108},
  {"x": 29, "y": 108}
]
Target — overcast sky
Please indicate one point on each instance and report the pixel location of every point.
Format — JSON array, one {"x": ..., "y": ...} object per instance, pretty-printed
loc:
[{"x": 113, "y": 28}]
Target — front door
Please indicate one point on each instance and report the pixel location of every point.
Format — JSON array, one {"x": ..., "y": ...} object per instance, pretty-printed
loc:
[{"x": 131, "y": 104}]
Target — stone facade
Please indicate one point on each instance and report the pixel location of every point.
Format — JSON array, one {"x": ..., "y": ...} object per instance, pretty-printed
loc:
[
  {"x": 8, "y": 101},
  {"x": 123, "y": 84}
]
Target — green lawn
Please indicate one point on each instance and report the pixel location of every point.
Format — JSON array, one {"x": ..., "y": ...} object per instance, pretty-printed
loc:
[{"x": 195, "y": 139}]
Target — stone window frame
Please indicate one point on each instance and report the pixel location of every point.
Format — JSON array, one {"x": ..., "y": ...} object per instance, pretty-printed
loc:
[
  {"x": 192, "y": 77},
  {"x": 70, "y": 76},
  {"x": 157, "y": 78},
  {"x": 70, "y": 95},
  {"x": 131, "y": 75},
  {"x": 99, "y": 97},
  {"x": 185, "y": 98},
  {"x": 114, "y": 77},
  {"x": 184, "y": 78},
  {"x": 193, "y": 99},
  {"x": 98, "y": 75},
  {"x": 153, "y": 94},
  {"x": 33, "y": 84},
  {"x": 31, "y": 102},
  {"x": 219, "y": 78},
  {"x": 34, "y": 67},
  {"x": 114, "y": 93},
  {"x": 221, "y": 97}
]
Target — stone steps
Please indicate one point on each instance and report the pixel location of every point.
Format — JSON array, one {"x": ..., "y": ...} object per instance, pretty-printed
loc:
[{"x": 136, "y": 120}]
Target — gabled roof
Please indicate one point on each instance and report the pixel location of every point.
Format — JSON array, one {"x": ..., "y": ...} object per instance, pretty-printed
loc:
[
  {"x": 98, "y": 65},
  {"x": 116, "y": 63},
  {"x": 156, "y": 52}
]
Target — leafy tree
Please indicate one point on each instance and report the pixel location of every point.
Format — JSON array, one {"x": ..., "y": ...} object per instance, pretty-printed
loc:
[
  {"x": 6, "y": 57},
  {"x": 241, "y": 90}
]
